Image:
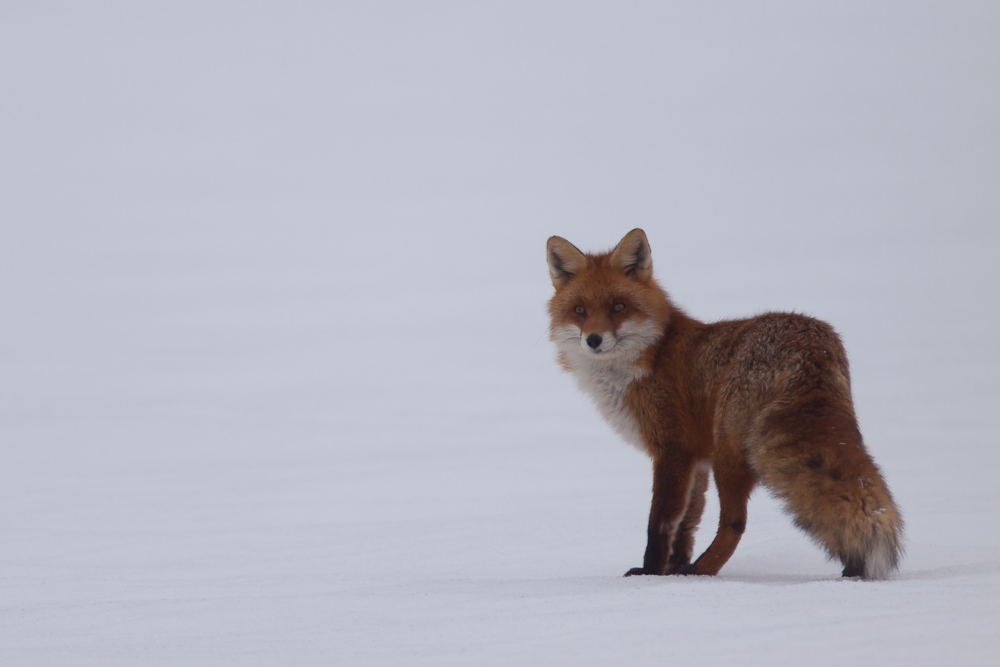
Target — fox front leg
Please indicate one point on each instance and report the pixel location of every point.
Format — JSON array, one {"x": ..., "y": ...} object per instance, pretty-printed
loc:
[
  {"x": 673, "y": 477},
  {"x": 682, "y": 550}
]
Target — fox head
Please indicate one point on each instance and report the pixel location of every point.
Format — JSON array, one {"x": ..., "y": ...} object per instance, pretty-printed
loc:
[{"x": 607, "y": 307}]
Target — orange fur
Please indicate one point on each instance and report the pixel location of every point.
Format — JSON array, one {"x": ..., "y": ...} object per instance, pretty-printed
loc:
[{"x": 763, "y": 399}]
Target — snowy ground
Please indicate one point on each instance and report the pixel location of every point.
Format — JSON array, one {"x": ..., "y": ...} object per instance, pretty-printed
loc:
[{"x": 276, "y": 384}]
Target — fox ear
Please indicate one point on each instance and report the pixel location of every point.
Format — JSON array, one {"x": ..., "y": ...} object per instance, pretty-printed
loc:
[
  {"x": 565, "y": 260},
  {"x": 632, "y": 257}
]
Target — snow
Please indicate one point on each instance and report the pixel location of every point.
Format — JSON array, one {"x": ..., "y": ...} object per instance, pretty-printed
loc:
[{"x": 277, "y": 387}]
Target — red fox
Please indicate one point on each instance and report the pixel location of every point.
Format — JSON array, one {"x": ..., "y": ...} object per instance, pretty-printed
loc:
[{"x": 761, "y": 399}]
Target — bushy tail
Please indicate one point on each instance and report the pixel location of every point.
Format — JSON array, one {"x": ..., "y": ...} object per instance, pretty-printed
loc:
[
  {"x": 835, "y": 493},
  {"x": 843, "y": 503},
  {"x": 877, "y": 546}
]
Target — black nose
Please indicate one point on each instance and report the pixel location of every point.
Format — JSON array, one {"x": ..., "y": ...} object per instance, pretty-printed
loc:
[{"x": 594, "y": 341}]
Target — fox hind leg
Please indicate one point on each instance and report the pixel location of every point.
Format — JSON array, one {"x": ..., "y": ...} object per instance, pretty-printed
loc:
[{"x": 734, "y": 483}]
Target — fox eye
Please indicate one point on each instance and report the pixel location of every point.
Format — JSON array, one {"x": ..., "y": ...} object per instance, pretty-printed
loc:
[
  {"x": 580, "y": 310},
  {"x": 618, "y": 307}
]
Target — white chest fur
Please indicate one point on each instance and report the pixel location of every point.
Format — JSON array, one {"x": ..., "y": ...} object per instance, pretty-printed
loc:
[
  {"x": 607, "y": 386},
  {"x": 607, "y": 376}
]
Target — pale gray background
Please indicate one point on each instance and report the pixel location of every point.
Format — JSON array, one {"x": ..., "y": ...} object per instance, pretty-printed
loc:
[{"x": 276, "y": 385}]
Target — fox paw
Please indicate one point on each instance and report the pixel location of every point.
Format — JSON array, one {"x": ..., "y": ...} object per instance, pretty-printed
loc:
[
  {"x": 677, "y": 567},
  {"x": 635, "y": 570}
]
